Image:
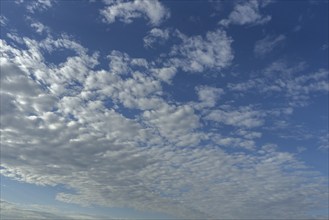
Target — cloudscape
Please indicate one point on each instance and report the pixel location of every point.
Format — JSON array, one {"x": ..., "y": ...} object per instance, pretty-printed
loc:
[{"x": 149, "y": 109}]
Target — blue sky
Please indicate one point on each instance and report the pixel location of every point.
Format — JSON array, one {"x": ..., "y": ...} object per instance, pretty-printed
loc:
[{"x": 164, "y": 109}]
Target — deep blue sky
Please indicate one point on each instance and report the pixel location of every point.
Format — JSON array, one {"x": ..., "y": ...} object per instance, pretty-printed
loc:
[{"x": 164, "y": 109}]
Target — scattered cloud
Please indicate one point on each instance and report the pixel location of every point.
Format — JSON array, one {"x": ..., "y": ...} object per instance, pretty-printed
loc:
[
  {"x": 3, "y": 21},
  {"x": 127, "y": 11},
  {"x": 268, "y": 44},
  {"x": 244, "y": 117},
  {"x": 39, "y": 27},
  {"x": 111, "y": 135},
  {"x": 165, "y": 73},
  {"x": 324, "y": 46},
  {"x": 208, "y": 95},
  {"x": 247, "y": 13},
  {"x": 197, "y": 53},
  {"x": 156, "y": 163},
  {"x": 324, "y": 141},
  {"x": 292, "y": 82},
  {"x": 156, "y": 36},
  {"x": 39, "y": 5}
]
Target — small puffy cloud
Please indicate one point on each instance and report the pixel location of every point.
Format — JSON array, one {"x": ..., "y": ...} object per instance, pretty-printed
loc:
[
  {"x": 197, "y": 53},
  {"x": 247, "y": 13},
  {"x": 268, "y": 44},
  {"x": 165, "y": 73},
  {"x": 244, "y": 117},
  {"x": 127, "y": 11},
  {"x": 39, "y": 27},
  {"x": 208, "y": 95},
  {"x": 156, "y": 36},
  {"x": 165, "y": 121}
]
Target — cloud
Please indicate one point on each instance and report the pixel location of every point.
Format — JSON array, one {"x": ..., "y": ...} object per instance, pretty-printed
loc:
[
  {"x": 244, "y": 117},
  {"x": 197, "y": 53},
  {"x": 268, "y": 44},
  {"x": 39, "y": 5},
  {"x": 38, "y": 26},
  {"x": 127, "y": 11},
  {"x": 164, "y": 119},
  {"x": 208, "y": 96},
  {"x": 323, "y": 141},
  {"x": 3, "y": 21},
  {"x": 111, "y": 136},
  {"x": 15, "y": 211},
  {"x": 247, "y": 13},
  {"x": 165, "y": 73},
  {"x": 156, "y": 36},
  {"x": 291, "y": 82}
]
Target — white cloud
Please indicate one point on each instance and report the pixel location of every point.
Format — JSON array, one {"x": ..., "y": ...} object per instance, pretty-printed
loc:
[
  {"x": 57, "y": 129},
  {"x": 208, "y": 96},
  {"x": 3, "y": 21},
  {"x": 127, "y": 11},
  {"x": 324, "y": 141},
  {"x": 39, "y": 27},
  {"x": 234, "y": 142},
  {"x": 39, "y": 5},
  {"x": 268, "y": 44},
  {"x": 290, "y": 81},
  {"x": 244, "y": 117},
  {"x": 165, "y": 118},
  {"x": 165, "y": 73},
  {"x": 247, "y": 13},
  {"x": 156, "y": 36},
  {"x": 198, "y": 53}
]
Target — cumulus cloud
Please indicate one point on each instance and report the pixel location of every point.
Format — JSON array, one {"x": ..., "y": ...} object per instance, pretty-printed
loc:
[
  {"x": 268, "y": 44},
  {"x": 156, "y": 36},
  {"x": 197, "y": 53},
  {"x": 247, "y": 13},
  {"x": 126, "y": 11},
  {"x": 165, "y": 73},
  {"x": 111, "y": 136},
  {"x": 208, "y": 95}
]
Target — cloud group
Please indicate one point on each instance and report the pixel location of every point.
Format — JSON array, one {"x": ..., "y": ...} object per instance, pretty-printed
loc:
[{"x": 113, "y": 135}]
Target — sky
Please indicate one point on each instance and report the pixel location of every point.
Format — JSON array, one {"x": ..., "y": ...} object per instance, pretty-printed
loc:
[{"x": 168, "y": 109}]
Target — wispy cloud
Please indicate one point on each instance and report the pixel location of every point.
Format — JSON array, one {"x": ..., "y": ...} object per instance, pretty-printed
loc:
[
  {"x": 127, "y": 11},
  {"x": 15, "y": 211},
  {"x": 39, "y": 5},
  {"x": 292, "y": 82},
  {"x": 156, "y": 36},
  {"x": 3, "y": 21},
  {"x": 247, "y": 13},
  {"x": 266, "y": 45}
]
